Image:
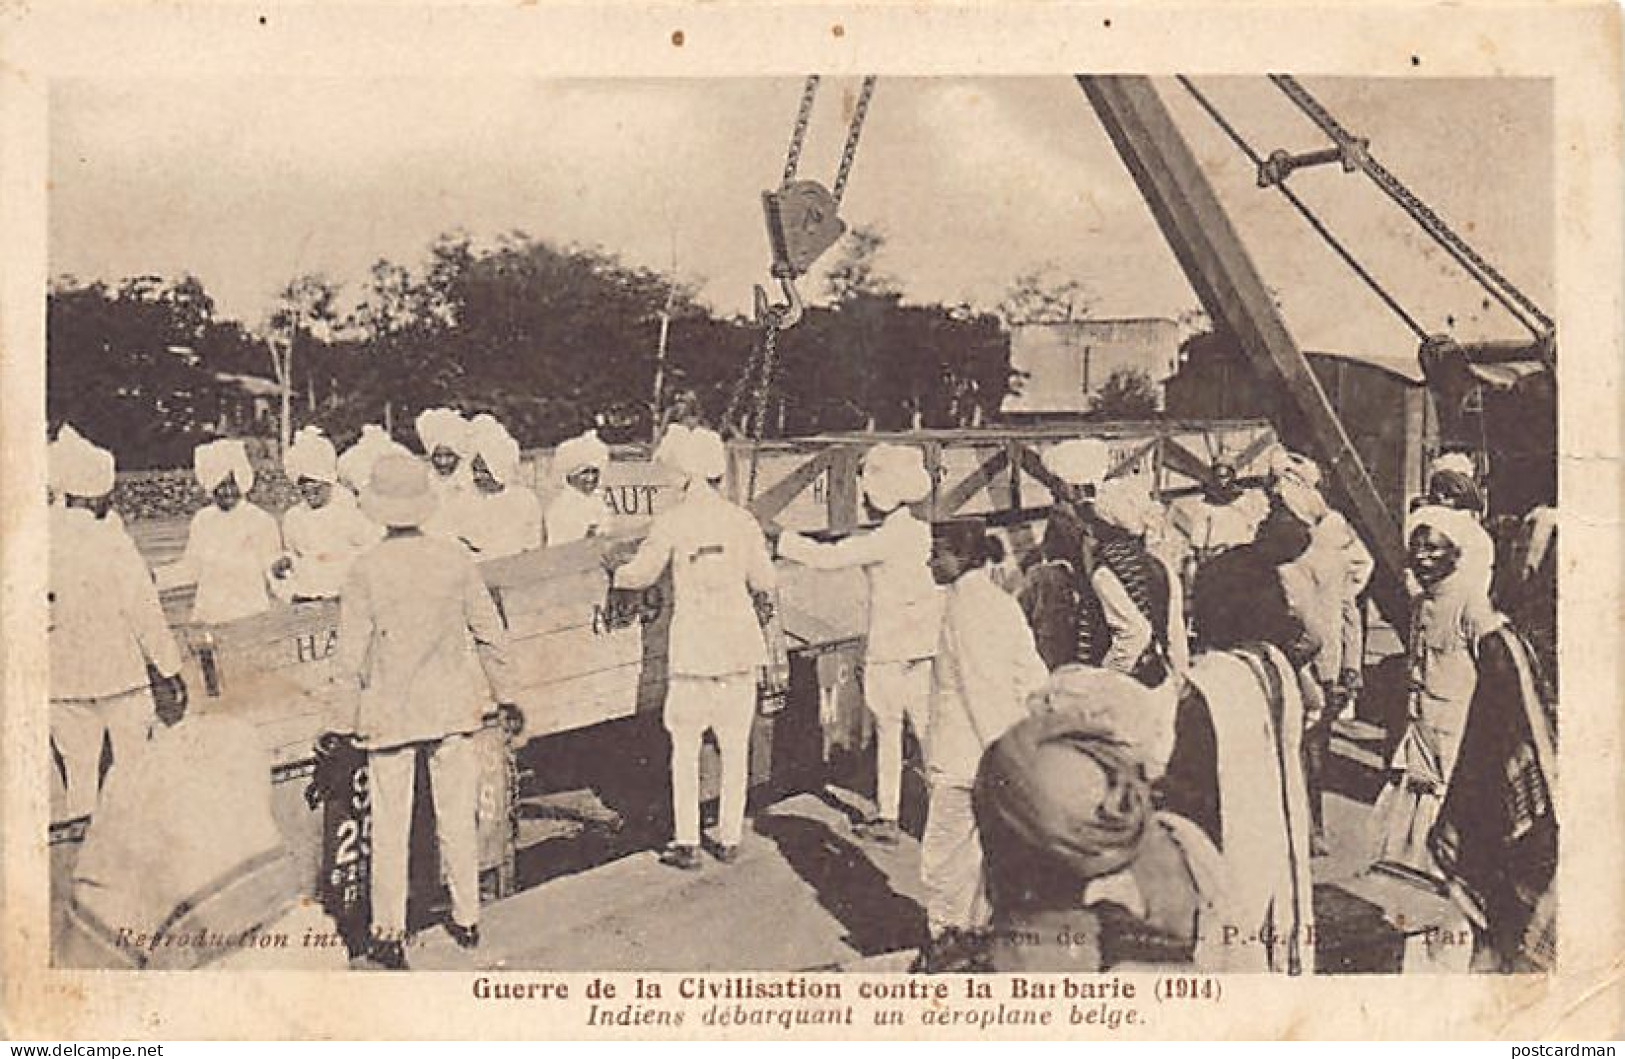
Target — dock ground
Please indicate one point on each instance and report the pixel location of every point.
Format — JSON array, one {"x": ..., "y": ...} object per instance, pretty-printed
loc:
[{"x": 807, "y": 893}]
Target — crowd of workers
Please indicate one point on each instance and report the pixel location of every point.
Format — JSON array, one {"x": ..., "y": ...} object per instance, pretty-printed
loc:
[{"x": 1125, "y": 741}]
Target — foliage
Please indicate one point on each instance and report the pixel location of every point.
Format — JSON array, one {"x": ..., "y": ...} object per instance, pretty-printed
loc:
[
  {"x": 550, "y": 339},
  {"x": 1127, "y": 393},
  {"x": 1044, "y": 296},
  {"x": 128, "y": 366}
]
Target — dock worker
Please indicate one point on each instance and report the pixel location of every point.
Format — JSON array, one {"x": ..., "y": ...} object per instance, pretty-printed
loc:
[
  {"x": 904, "y": 612},
  {"x": 232, "y": 543},
  {"x": 578, "y": 511},
  {"x": 1139, "y": 595},
  {"x": 1057, "y": 597},
  {"x": 1453, "y": 482},
  {"x": 987, "y": 675},
  {"x": 719, "y": 565},
  {"x": 501, "y": 516},
  {"x": 1324, "y": 585},
  {"x": 1223, "y": 516},
  {"x": 185, "y": 866},
  {"x": 1239, "y": 596},
  {"x": 444, "y": 435},
  {"x": 1083, "y": 874},
  {"x": 1449, "y": 618},
  {"x": 106, "y": 629},
  {"x": 421, "y": 640},
  {"x": 326, "y": 530}
]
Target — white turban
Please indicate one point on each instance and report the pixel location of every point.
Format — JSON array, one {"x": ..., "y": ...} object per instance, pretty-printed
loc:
[
  {"x": 894, "y": 475},
  {"x": 1081, "y": 461},
  {"x": 490, "y": 440},
  {"x": 1125, "y": 502},
  {"x": 671, "y": 445},
  {"x": 79, "y": 467},
  {"x": 355, "y": 466},
  {"x": 214, "y": 460},
  {"x": 1302, "y": 499},
  {"x": 1141, "y": 717},
  {"x": 702, "y": 455},
  {"x": 1477, "y": 565},
  {"x": 311, "y": 456},
  {"x": 443, "y": 427},
  {"x": 1458, "y": 462},
  {"x": 579, "y": 453}
]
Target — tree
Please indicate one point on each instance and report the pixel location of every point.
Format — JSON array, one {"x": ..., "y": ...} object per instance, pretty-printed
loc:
[
  {"x": 304, "y": 317},
  {"x": 125, "y": 365},
  {"x": 1128, "y": 393},
  {"x": 854, "y": 273},
  {"x": 1044, "y": 296}
]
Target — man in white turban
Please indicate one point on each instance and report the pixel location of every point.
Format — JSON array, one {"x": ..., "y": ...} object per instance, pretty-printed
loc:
[
  {"x": 1323, "y": 587},
  {"x": 1453, "y": 482},
  {"x": 324, "y": 532},
  {"x": 1138, "y": 594},
  {"x": 501, "y": 516},
  {"x": 232, "y": 543},
  {"x": 718, "y": 558},
  {"x": 578, "y": 510},
  {"x": 1221, "y": 517},
  {"x": 905, "y": 610},
  {"x": 106, "y": 629},
  {"x": 1448, "y": 620},
  {"x": 444, "y": 434}
]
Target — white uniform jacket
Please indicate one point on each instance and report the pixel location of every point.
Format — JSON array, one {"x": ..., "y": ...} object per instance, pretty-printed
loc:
[
  {"x": 323, "y": 542},
  {"x": 105, "y": 620},
  {"x": 494, "y": 525},
  {"x": 422, "y": 640},
  {"x": 717, "y": 556},
  {"x": 573, "y": 515},
  {"x": 985, "y": 669},
  {"x": 229, "y": 556},
  {"x": 905, "y": 605}
]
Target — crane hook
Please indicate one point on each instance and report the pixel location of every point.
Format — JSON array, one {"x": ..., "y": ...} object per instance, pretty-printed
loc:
[{"x": 780, "y": 317}]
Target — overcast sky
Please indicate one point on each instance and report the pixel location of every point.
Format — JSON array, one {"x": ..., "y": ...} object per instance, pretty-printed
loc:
[{"x": 248, "y": 182}]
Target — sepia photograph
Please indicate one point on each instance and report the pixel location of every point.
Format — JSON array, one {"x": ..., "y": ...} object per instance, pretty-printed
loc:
[{"x": 764, "y": 532}]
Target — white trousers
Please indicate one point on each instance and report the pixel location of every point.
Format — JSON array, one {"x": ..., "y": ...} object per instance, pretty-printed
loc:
[
  {"x": 726, "y": 705},
  {"x": 894, "y": 691},
  {"x": 77, "y": 727},
  {"x": 951, "y": 862},
  {"x": 454, "y": 784}
]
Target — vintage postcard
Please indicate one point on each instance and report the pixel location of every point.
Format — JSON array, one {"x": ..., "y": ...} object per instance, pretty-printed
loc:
[{"x": 787, "y": 521}]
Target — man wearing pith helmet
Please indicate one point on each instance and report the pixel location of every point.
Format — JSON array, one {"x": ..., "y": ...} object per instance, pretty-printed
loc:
[
  {"x": 904, "y": 612},
  {"x": 423, "y": 644}
]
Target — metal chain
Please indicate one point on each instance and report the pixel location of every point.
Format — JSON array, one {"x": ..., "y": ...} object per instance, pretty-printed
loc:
[
  {"x": 758, "y": 424},
  {"x": 1430, "y": 222},
  {"x": 849, "y": 153},
  {"x": 736, "y": 395},
  {"x": 798, "y": 132},
  {"x": 1308, "y": 214}
]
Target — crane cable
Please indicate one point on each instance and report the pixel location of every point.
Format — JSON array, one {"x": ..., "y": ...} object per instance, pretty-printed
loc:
[
  {"x": 1308, "y": 214},
  {"x": 1487, "y": 276},
  {"x": 764, "y": 362}
]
